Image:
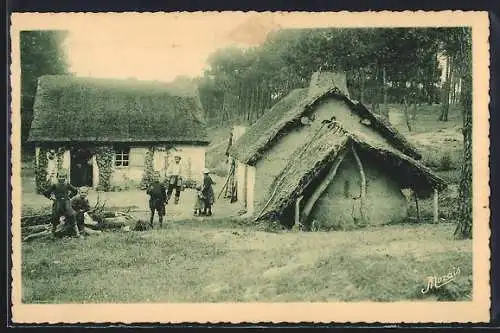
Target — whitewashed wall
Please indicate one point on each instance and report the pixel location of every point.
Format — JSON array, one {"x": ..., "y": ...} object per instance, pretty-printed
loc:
[
  {"x": 132, "y": 174},
  {"x": 251, "y": 174},
  {"x": 193, "y": 159},
  {"x": 241, "y": 178}
]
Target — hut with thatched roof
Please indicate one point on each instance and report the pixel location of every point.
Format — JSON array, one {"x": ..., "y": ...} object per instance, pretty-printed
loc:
[
  {"x": 317, "y": 155},
  {"x": 113, "y": 133}
]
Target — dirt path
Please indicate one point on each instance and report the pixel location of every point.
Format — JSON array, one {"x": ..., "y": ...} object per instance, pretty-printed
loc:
[{"x": 137, "y": 200}]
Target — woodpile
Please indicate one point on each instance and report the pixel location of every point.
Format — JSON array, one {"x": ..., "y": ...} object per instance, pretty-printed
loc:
[{"x": 97, "y": 220}]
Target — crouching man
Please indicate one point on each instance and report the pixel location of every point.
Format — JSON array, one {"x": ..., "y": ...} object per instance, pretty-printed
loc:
[
  {"x": 80, "y": 205},
  {"x": 61, "y": 193}
]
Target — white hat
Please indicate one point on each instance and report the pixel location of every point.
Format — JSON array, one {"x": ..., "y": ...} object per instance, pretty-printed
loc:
[{"x": 205, "y": 170}]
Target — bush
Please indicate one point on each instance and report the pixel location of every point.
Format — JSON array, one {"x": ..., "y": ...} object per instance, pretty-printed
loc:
[{"x": 445, "y": 163}]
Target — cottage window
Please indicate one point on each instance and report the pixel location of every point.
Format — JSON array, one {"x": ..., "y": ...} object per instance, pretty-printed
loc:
[{"x": 122, "y": 157}]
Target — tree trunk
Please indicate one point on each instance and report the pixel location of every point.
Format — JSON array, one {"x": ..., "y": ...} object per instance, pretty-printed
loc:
[
  {"x": 362, "y": 89},
  {"x": 464, "y": 226},
  {"x": 385, "y": 111},
  {"x": 446, "y": 92},
  {"x": 405, "y": 112}
]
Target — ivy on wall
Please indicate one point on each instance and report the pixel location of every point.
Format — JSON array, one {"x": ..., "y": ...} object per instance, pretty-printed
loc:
[
  {"x": 147, "y": 176},
  {"x": 60, "y": 159},
  {"x": 104, "y": 158},
  {"x": 41, "y": 171}
]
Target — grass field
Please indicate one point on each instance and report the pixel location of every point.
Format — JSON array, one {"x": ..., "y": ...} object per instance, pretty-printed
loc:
[
  {"x": 224, "y": 259},
  {"x": 219, "y": 261}
]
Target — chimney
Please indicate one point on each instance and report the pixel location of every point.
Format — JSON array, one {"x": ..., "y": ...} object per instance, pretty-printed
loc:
[{"x": 323, "y": 81}]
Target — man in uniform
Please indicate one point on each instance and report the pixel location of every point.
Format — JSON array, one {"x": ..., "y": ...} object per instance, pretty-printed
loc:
[
  {"x": 60, "y": 193},
  {"x": 80, "y": 205},
  {"x": 157, "y": 199},
  {"x": 174, "y": 177}
]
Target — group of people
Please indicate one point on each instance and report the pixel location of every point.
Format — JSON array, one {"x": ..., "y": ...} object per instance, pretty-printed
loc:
[
  {"x": 70, "y": 204},
  {"x": 159, "y": 194}
]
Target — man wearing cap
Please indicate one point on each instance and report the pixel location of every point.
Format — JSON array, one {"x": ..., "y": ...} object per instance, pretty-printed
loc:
[
  {"x": 174, "y": 178},
  {"x": 80, "y": 205},
  {"x": 157, "y": 199},
  {"x": 60, "y": 193}
]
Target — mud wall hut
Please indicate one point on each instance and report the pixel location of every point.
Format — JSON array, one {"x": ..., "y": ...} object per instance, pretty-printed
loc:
[
  {"x": 115, "y": 133},
  {"x": 319, "y": 156}
]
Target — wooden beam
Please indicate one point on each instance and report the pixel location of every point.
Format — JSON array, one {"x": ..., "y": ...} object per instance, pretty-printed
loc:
[
  {"x": 322, "y": 187},
  {"x": 436, "y": 206},
  {"x": 416, "y": 204},
  {"x": 363, "y": 184},
  {"x": 245, "y": 186},
  {"x": 297, "y": 210}
]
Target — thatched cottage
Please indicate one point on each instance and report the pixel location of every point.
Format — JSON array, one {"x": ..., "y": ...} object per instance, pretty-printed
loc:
[
  {"x": 317, "y": 155},
  {"x": 114, "y": 133}
]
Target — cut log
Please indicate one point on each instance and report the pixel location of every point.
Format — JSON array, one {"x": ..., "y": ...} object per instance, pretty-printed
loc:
[
  {"x": 89, "y": 231},
  {"x": 35, "y": 219},
  {"x": 35, "y": 228},
  {"x": 37, "y": 235},
  {"x": 112, "y": 223},
  {"x": 322, "y": 187},
  {"x": 363, "y": 184}
]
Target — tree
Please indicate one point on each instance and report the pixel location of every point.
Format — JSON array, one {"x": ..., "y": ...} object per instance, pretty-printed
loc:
[
  {"x": 41, "y": 54},
  {"x": 464, "y": 225}
]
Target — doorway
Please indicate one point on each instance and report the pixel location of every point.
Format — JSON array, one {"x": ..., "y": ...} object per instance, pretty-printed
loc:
[{"x": 81, "y": 167}]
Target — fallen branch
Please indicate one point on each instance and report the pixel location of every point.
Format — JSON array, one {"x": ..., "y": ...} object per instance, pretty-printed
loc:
[
  {"x": 35, "y": 228},
  {"x": 37, "y": 235}
]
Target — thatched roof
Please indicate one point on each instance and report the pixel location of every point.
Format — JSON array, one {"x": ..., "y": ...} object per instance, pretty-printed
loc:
[
  {"x": 311, "y": 159},
  {"x": 287, "y": 113},
  {"x": 307, "y": 162},
  {"x": 69, "y": 108}
]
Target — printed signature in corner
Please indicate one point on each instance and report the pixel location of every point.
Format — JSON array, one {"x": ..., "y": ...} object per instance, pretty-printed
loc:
[{"x": 435, "y": 282}]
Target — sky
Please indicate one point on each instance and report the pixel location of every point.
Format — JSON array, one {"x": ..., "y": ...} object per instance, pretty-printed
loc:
[
  {"x": 159, "y": 50},
  {"x": 163, "y": 46}
]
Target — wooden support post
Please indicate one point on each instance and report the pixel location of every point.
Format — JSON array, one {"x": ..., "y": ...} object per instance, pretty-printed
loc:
[
  {"x": 436, "y": 206},
  {"x": 245, "y": 186},
  {"x": 297, "y": 210},
  {"x": 363, "y": 184},
  {"x": 322, "y": 187},
  {"x": 416, "y": 204}
]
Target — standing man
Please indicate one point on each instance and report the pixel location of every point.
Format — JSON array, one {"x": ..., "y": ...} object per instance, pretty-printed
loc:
[
  {"x": 174, "y": 178},
  {"x": 208, "y": 192},
  {"x": 61, "y": 193},
  {"x": 157, "y": 199}
]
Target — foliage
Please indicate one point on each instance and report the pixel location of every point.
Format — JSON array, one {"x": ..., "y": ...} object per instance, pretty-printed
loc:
[
  {"x": 445, "y": 162},
  {"x": 147, "y": 176},
  {"x": 41, "y": 170},
  {"x": 41, "y": 54},
  {"x": 104, "y": 158},
  {"x": 60, "y": 159},
  {"x": 241, "y": 84}
]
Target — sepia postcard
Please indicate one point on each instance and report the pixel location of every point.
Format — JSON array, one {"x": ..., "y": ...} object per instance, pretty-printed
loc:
[{"x": 250, "y": 167}]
